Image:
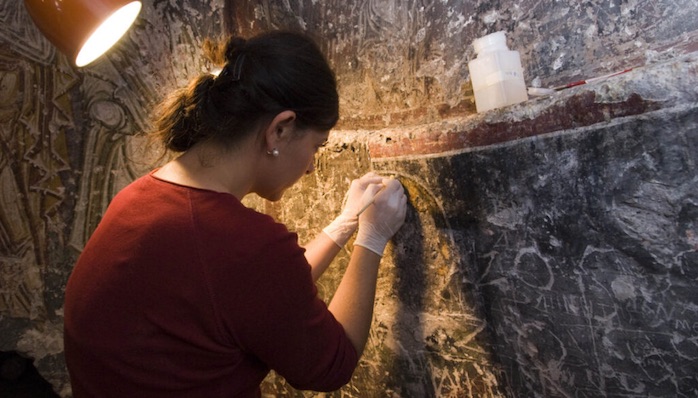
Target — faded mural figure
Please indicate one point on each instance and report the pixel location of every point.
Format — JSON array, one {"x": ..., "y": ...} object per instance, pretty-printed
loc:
[
  {"x": 41, "y": 140},
  {"x": 69, "y": 141},
  {"x": 31, "y": 159}
]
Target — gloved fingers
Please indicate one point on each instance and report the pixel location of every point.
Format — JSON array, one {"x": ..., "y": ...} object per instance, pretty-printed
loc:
[
  {"x": 365, "y": 180},
  {"x": 391, "y": 193},
  {"x": 393, "y": 184},
  {"x": 404, "y": 206},
  {"x": 384, "y": 217},
  {"x": 372, "y": 193},
  {"x": 398, "y": 206},
  {"x": 370, "y": 178},
  {"x": 368, "y": 199},
  {"x": 353, "y": 199},
  {"x": 395, "y": 198},
  {"x": 397, "y": 203},
  {"x": 359, "y": 186},
  {"x": 402, "y": 212}
]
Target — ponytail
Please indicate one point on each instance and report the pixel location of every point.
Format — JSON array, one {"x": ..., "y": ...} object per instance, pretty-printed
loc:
[
  {"x": 181, "y": 123},
  {"x": 261, "y": 77}
]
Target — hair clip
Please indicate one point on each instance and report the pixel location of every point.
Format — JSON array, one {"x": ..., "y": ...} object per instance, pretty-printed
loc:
[
  {"x": 237, "y": 68},
  {"x": 215, "y": 72}
]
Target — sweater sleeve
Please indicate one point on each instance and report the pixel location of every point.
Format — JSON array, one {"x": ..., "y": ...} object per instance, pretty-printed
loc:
[{"x": 275, "y": 315}]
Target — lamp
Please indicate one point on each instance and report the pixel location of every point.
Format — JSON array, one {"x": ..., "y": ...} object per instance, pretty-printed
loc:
[{"x": 83, "y": 29}]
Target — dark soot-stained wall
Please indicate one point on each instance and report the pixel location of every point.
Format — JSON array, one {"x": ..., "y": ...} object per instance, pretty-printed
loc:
[{"x": 560, "y": 264}]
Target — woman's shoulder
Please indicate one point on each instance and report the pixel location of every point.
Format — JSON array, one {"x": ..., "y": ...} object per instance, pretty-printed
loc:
[{"x": 224, "y": 215}]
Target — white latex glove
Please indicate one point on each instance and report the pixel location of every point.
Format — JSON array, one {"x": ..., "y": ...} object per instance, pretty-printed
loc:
[
  {"x": 380, "y": 221},
  {"x": 343, "y": 227}
]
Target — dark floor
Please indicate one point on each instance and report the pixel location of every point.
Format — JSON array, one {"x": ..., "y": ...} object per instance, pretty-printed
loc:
[{"x": 20, "y": 379}]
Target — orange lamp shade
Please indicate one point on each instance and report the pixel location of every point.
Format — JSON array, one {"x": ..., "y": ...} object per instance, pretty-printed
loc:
[{"x": 83, "y": 29}]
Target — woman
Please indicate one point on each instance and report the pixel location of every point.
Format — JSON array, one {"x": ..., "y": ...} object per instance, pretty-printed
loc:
[{"x": 184, "y": 292}]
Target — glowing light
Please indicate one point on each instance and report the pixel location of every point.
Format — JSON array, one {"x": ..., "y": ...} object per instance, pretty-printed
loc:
[{"x": 108, "y": 33}]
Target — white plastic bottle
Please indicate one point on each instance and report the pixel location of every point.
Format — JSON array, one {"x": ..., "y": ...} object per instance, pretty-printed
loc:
[{"x": 496, "y": 73}]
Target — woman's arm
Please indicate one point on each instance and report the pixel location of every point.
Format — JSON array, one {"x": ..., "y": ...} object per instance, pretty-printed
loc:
[
  {"x": 352, "y": 304},
  {"x": 320, "y": 252}
]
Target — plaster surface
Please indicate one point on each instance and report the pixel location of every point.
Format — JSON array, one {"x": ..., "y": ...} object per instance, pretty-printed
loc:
[
  {"x": 404, "y": 62},
  {"x": 561, "y": 263}
]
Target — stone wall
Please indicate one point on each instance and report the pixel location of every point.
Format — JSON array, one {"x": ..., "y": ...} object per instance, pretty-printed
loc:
[
  {"x": 404, "y": 62},
  {"x": 550, "y": 248}
]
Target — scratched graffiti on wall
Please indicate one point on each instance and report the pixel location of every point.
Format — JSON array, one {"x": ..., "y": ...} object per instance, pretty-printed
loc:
[
  {"x": 428, "y": 337},
  {"x": 582, "y": 250},
  {"x": 404, "y": 62}
]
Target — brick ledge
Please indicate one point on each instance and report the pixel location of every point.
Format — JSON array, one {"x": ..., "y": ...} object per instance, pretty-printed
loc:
[{"x": 640, "y": 91}]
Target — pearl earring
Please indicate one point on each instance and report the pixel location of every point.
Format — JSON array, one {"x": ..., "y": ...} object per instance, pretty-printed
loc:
[{"x": 274, "y": 152}]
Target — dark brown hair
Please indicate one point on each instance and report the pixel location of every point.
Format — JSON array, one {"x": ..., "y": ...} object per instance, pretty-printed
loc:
[{"x": 261, "y": 77}]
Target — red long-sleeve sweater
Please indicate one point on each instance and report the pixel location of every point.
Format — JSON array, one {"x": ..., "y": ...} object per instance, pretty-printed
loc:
[{"x": 184, "y": 292}]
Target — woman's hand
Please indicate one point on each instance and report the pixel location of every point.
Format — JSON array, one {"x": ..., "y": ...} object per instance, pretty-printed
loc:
[
  {"x": 381, "y": 220},
  {"x": 343, "y": 227},
  {"x": 352, "y": 303}
]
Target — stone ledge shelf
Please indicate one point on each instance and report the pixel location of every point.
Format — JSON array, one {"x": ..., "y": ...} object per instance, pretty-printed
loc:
[{"x": 640, "y": 91}]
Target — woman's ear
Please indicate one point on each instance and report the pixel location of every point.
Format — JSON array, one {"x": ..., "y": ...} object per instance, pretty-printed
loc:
[{"x": 280, "y": 130}]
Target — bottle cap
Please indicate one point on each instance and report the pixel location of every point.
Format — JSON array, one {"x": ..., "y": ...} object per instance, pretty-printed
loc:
[{"x": 491, "y": 42}]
